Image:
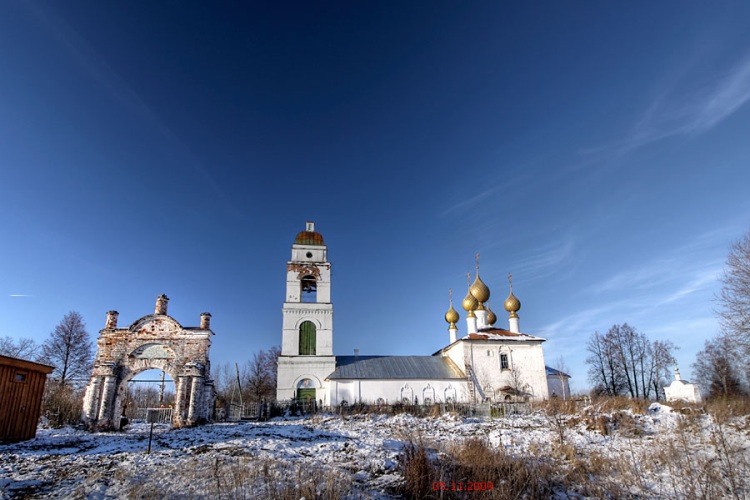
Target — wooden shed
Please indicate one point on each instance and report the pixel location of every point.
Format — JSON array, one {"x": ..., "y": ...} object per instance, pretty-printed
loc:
[{"x": 21, "y": 389}]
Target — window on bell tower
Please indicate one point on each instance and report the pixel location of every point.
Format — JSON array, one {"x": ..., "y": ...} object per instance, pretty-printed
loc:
[
  {"x": 309, "y": 289},
  {"x": 307, "y": 338}
]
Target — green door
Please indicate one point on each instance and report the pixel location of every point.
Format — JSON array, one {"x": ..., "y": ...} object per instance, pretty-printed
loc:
[{"x": 306, "y": 394}]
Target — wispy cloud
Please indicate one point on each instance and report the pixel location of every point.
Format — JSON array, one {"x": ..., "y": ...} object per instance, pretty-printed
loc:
[
  {"x": 470, "y": 202},
  {"x": 19, "y": 295},
  {"x": 572, "y": 325},
  {"x": 695, "y": 264},
  {"x": 546, "y": 260},
  {"x": 700, "y": 280},
  {"x": 97, "y": 68},
  {"x": 694, "y": 111},
  {"x": 660, "y": 283},
  {"x": 645, "y": 276}
]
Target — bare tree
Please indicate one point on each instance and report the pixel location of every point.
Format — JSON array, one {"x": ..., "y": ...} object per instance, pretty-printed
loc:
[
  {"x": 605, "y": 368},
  {"x": 23, "y": 348},
  {"x": 260, "y": 374},
  {"x": 562, "y": 374},
  {"x": 631, "y": 347},
  {"x": 734, "y": 299},
  {"x": 68, "y": 349},
  {"x": 662, "y": 361},
  {"x": 272, "y": 365},
  {"x": 719, "y": 367},
  {"x": 625, "y": 361},
  {"x": 517, "y": 384},
  {"x": 224, "y": 379}
]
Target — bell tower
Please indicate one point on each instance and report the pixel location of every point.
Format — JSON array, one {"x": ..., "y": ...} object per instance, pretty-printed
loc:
[{"x": 307, "y": 333}]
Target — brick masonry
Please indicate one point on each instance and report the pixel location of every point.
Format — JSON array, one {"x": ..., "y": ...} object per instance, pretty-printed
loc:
[{"x": 156, "y": 341}]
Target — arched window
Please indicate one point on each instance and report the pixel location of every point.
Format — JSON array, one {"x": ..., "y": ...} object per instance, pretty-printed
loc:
[
  {"x": 406, "y": 394},
  {"x": 450, "y": 394},
  {"x": 307, "y": 338},
  {"x": 428, "y": 394}
]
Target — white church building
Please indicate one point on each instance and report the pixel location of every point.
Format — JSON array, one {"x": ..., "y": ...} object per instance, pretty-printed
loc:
[{"x": 486, "y": 364}]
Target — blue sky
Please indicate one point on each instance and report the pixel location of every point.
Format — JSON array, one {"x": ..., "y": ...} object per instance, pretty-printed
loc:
[{"x": 597, "y": 152}]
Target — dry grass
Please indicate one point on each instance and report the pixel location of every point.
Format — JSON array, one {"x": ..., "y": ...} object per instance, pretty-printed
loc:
[
  {"x": 697, "y": 453},
  {"x": 723, "y": 409},
  {"x": 239, "y": 477},
  {"x": 704, "y": 456},
  {"x": 472, "y": 468},
  {"x": 62, "y": 404},
  {"x": 610, "y": 404}
]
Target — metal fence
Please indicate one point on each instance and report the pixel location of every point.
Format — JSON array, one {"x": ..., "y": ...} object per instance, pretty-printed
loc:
[
  {"x": 480, "y": 410},
  {"x": 250, "y": 411},
  {"x": 154, "y": 415}
]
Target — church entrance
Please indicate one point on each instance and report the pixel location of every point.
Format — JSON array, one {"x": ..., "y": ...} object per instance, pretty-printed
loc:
[
  {"x": 306, "y": 390},
  {"x": 306, "y": 394}
]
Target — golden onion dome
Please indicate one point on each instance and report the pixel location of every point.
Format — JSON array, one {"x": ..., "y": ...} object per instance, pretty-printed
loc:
[
  {"x": 451, "y": 316},
  {"x": 470, "y": 303},
  {"x": 512, "y": 304},
  {"x": 491, "y": 317},
  {"x": 479, "y": 290}
]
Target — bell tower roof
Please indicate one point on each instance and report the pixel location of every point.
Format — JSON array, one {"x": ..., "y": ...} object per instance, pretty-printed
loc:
[{"x": 309, "y": 236}]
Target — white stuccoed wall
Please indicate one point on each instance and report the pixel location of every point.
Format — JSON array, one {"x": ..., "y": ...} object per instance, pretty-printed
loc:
[
  {"x": 680, "y": 390},
  {"x": 368, "y": 391},
  {"x": 526, "y": 359}
]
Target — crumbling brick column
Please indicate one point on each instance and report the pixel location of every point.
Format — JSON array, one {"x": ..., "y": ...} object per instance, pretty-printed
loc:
[
  {"x": 111, "y": 323},
  {"x": 91, "y": 400},
  {"x": 179, "y": 400},
  {"x": 106, "y": 406},
  {"x": 196, "y": 401},
  {"x": 161, "y": 304},
  {"x": 209, "y": 393},
  {"x": 206, "y": 320}
]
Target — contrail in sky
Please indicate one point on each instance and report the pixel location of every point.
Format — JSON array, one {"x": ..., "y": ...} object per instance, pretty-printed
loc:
[{"x": 19, "y": 295}]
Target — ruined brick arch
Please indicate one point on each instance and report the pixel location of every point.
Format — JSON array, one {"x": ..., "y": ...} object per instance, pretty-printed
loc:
[
  {"x": 156, "y": 341},
  {"x": 128, "y": 373}
]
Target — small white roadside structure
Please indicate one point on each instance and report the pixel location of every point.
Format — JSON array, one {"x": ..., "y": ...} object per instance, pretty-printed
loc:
[{"x": 682, "y": 390}]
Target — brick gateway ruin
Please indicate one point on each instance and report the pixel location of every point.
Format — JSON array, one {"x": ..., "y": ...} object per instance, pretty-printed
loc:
[{"x": 156, "y": 341}]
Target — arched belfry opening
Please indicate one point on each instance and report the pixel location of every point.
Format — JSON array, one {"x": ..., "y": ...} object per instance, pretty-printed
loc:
[
  {"x": 159, "y": 342},
  {"x": 309, "y": 289}
]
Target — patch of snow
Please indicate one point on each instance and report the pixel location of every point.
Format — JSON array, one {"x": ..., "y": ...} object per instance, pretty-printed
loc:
[{"x": 361, "y": 449}]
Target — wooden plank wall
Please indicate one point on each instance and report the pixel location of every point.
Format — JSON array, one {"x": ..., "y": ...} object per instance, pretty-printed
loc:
[{"x": 21, "y": 392}]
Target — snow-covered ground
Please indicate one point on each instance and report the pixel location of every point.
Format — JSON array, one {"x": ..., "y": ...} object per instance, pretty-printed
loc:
[{"x": 358, "y": 456}]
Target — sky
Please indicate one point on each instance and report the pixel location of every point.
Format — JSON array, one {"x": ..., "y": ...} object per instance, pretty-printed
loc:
[{"x": 598, "y": 152}]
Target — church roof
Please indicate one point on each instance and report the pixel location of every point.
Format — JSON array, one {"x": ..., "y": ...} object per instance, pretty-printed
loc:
[
  {"x": 395, "y": 367},
  {"x": 551, "y": 372},
  {"x": 500, "y": 334}
]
